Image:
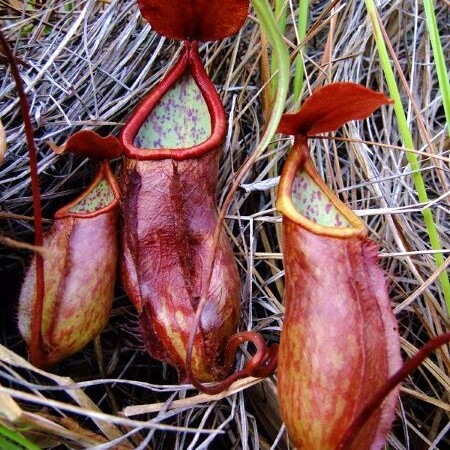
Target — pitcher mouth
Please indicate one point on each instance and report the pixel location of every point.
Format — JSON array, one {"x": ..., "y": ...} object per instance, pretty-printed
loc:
[
  {"x": 91, "y": 203},
  {"x": 344, "y": 223},
  {"x": 189, "y": 62}
]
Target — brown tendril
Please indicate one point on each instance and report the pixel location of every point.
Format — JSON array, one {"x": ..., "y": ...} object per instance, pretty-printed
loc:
[{"x": 261, "y": 364}]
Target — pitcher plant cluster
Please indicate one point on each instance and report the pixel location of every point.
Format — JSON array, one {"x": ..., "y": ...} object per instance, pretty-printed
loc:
[{"x": 338, "y": 363}]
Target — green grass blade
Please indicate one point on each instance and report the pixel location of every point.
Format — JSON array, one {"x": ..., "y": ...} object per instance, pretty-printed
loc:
[
  {"x": 280, "y": 18},
  {"x": 6, "y": 444},
  {"x": 280, "y": 15},
  {"x": 270, "y": 29},
  {"x": 299, "y": 74},
  {"x": 12, "y": 440},
  {"x": 439, "y": 59},
  {"x": 408, "y": 143}
]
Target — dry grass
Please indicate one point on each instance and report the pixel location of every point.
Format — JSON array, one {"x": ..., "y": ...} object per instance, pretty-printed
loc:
[{"x": 86, "y": 64}]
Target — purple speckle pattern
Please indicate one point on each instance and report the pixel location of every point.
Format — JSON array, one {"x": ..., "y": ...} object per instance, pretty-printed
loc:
[
  {"x": 181, "y": 119},
  {"x": 314, "y": 204},
  {"x": 99, "y": 197}
]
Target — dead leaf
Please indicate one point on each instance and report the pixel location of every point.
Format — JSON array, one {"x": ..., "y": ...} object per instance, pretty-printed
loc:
[
  {"x": 9, "y": 408},
  {"x": 2, "y": 142}
]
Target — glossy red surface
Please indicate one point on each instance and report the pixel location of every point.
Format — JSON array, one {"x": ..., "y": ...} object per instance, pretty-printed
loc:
[
  {"x": 339, "y": 341},
  {"x": 80, "y": 270},
  {"x": 195, "y": 20},
  {"x": 89, "y": 144},
  {"x": 168, "y": 222},
  {"x": 330, "y": 106}
]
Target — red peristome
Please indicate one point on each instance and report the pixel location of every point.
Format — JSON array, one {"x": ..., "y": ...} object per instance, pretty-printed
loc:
[
  {"x": 169, "y": 219},
  {"x": 189, "y": 62},
  {"x": 330, "y": 106},
  {"x": 339, "y": 342},
  {"x": 80, "y": 269},
  {"x": 89, "y": 144},
  {"x": 195, "y": 20}
]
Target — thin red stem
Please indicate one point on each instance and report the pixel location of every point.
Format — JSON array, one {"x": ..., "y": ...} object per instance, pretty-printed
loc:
[
  {"x": 378, "y": 398},
  {"x": 36, "y": 354}
]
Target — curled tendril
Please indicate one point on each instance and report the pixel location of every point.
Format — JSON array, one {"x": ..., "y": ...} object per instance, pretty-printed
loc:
[{"x": 260, "y": 365}]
